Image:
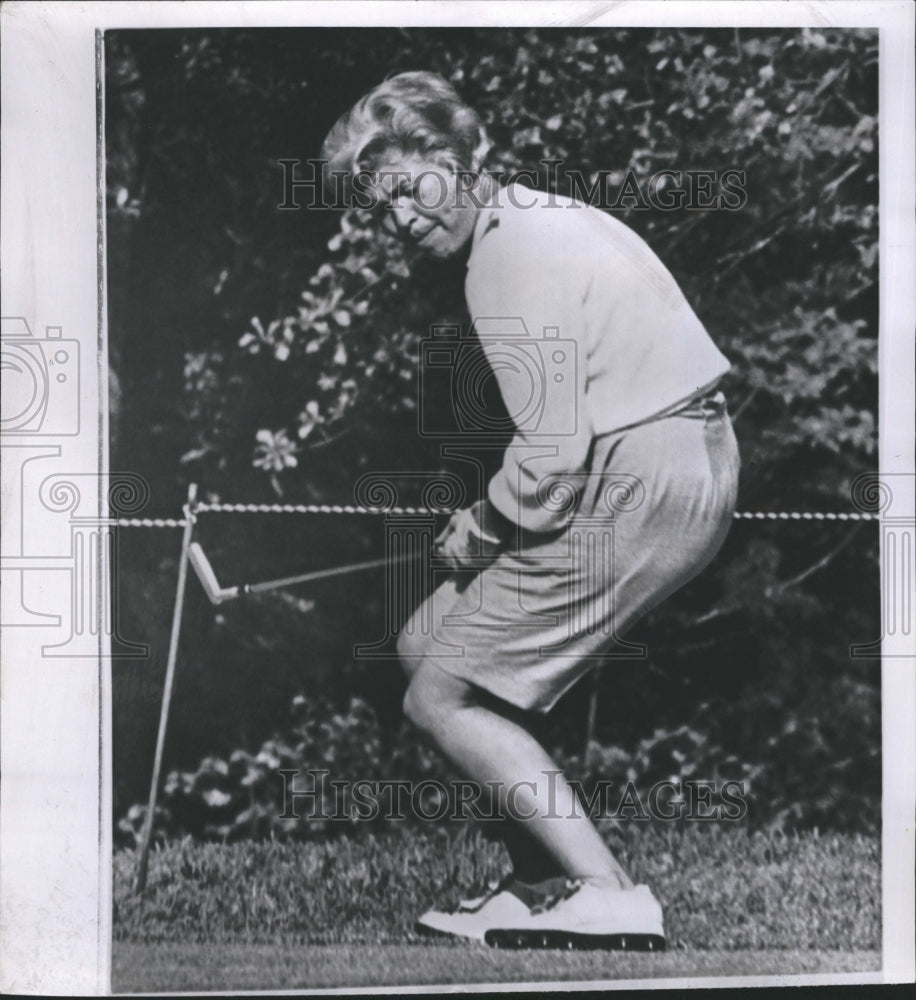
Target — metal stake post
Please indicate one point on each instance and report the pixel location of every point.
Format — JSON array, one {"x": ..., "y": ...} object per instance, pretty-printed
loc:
[{"x": 147, "y": 831}]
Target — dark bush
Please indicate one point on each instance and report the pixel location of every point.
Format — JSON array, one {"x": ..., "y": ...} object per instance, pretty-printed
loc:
[{"x": 263, "y": 354}]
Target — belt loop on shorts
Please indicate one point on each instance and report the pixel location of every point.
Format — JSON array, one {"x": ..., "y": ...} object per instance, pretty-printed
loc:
[
  {"x": 708, "y": 406},
  {"x": 713, "y": 405}
]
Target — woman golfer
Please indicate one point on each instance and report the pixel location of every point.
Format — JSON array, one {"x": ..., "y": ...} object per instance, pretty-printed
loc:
[{"x": 619, "y": 491}]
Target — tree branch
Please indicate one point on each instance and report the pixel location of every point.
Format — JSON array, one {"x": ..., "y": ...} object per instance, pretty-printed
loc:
[
  {"x": 328, "y": 439},
  {"x": 745, "y": 403},
  {"x": 736, "y": 258},
  {"x": 781, "y": 588}
]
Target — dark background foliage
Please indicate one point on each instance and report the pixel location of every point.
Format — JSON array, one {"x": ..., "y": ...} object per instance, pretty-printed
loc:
[{"x": 269, "y": 354}]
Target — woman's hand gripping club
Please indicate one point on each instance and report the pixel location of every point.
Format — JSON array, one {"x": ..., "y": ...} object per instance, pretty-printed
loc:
[{"x": 465, "y": 543}]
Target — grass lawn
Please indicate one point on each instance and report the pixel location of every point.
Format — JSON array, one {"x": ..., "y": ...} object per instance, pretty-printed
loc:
[
  {"x": 138, "y": 967},
  {"x": 340, "y": 912}
]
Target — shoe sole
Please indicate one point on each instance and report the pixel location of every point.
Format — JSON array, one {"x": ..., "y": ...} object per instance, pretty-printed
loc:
[
  {"x": 572, "y": 941},
  {"x": 436, "y": 932}
]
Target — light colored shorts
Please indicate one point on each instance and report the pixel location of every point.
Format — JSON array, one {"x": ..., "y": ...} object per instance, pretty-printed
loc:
[{"x": 653, "y": 509}]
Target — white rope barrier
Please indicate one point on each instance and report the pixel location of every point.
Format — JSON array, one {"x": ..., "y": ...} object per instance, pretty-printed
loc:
[
  {"x": 297, "y": 508},
  {"x": 756, "y": 515},
  {"x": 149, "y": 522},
  {"x": 308, "y": 508}
]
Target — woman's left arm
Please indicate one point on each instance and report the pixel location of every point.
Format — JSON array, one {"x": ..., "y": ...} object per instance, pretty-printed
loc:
[{"x": 517, "y": 299}]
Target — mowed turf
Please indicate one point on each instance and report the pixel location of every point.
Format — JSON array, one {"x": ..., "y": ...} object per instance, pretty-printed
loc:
[
  {"x": 341, "y": 912},
  {"x": 185, "y": 968}
]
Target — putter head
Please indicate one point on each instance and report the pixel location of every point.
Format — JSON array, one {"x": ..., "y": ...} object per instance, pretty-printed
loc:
[{"x": 207, "y": 577}]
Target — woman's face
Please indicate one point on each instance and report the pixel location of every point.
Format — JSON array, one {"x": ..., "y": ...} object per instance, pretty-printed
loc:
[{"x": 424, "y": 205}]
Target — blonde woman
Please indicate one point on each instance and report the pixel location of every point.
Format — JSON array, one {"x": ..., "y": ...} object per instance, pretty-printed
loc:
[{"x": 638, "y": 411}]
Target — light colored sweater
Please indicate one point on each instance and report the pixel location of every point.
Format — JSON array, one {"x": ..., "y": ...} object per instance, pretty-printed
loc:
[{"x": 638, "y": 348}]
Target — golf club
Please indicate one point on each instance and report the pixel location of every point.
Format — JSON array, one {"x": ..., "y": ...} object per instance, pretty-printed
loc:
[{"x": 218, "y": 594}]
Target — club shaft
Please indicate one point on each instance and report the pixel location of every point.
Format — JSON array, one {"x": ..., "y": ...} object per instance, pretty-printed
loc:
[{"x": 321, "y": 574}]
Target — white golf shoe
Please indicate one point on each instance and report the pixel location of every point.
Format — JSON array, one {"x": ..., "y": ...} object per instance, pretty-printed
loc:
[
  {"x": 572, "y": 915},
  {"x": 587, "y": 918},
  {"x": 472, "y": 918}
]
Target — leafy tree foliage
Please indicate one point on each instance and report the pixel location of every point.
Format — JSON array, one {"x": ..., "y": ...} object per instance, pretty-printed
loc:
[{"x": 272, "y": 354}]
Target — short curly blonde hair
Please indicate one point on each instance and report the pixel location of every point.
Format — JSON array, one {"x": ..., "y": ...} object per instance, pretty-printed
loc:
[{"x": 411, "y": 113}]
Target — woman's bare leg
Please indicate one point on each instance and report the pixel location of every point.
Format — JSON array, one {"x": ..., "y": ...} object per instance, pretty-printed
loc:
[{"x": 487, "y": 746}]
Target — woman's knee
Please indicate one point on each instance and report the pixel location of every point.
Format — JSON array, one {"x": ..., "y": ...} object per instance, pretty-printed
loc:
[
  {"x": 432, "y": 698},
  {"x": 420, "y": 702},
  {"x": 411, "y": 650}
]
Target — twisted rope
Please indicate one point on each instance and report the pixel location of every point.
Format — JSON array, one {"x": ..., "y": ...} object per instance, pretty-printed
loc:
[
  {"x": 309, "y": 508},
  {"x": 149, "y": 522},
  {"x": 756, "y": 515},
  {"x": 300, "y": 508}
]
